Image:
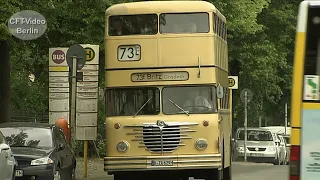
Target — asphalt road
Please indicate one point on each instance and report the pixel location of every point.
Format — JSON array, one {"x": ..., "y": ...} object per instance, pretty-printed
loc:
[{"x": 240, "y": 171}]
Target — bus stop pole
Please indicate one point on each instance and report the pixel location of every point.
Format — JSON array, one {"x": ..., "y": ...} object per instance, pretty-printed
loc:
[
  {"x": 73, "y": 101},
  {"x": 285, "y": 118},
  {"x": 245, "y": 125}
]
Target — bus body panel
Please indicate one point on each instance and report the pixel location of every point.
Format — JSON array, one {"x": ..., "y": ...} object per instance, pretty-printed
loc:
[
  {"x": 162, "y": 7},
  {"x": 208, "y": 76},
  {"x": 199, "y": 131},
  {"x": 194, "y": 50}
]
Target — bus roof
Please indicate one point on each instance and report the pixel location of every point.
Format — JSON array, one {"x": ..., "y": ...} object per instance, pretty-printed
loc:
[
  {"x": 303, "y": 13},
  {"x": 146, "y": 7}
]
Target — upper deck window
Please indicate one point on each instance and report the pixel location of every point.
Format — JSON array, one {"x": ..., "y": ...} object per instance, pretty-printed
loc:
[
  {"x": 141, "y": 24},
  {"x": 178, "y": 23}
]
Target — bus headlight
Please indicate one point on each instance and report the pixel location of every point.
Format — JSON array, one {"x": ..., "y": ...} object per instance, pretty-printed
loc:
[
  {"x": 122, "y": 146},
  {"x": 201, "y": 144}
]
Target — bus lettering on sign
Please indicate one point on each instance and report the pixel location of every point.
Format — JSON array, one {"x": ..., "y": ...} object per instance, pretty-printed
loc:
[
  {"x": 159, "y": 76},
  {"x": 58, "y": 56}
]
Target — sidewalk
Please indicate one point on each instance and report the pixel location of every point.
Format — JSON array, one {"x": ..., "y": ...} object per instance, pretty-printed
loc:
[
  {"x": 251, "y": 163},
  {"x": 94, "y": 170}
]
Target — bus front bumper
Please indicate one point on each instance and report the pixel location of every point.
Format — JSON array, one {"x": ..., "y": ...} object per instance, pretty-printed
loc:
[{"x": 149, "y": 163}]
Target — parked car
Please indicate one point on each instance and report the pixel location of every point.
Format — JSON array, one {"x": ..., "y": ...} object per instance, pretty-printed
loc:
[
  {"x": 7, "y": 161},
  {"x": 261, "y": 146},
  {"x": 41, "y": 151}
]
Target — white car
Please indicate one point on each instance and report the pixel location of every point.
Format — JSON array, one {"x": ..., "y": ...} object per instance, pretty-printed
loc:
[{"x": 7, "y": 161}]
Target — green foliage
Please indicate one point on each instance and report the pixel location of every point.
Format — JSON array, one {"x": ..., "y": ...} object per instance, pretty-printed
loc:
[{"x": 260, "y": 37}]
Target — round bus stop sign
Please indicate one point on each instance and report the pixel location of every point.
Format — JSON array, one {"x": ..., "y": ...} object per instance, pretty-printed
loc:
[{"x": 58, "y": 56}]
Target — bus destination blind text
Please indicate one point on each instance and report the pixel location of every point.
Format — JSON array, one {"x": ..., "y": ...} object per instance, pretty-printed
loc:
[{"x": 159, "y": 76}]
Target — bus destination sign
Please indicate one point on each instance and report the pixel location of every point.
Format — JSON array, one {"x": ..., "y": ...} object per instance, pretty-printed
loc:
[{"x": 160, "y": 76}]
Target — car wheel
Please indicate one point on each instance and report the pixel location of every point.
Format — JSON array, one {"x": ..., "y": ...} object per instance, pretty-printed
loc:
[
  {"x": 57, "y": 175},
  {"x": 277, "y": 161}
]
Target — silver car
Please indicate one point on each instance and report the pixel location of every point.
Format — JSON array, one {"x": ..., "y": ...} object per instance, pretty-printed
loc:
[
  {"x": 7, "y": 161},
  {"x": 261, "y": 146}
]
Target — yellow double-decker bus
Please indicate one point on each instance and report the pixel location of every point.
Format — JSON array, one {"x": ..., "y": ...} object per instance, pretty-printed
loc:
[
  {"x": 167, "y": 95},
  {"x": 305, "y": 103}
]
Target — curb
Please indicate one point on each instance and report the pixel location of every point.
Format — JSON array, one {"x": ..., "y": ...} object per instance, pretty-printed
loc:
[{"x": 252, "y": 164}]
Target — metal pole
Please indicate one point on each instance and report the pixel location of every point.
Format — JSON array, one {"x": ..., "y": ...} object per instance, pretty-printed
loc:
[
  {"x": 245, "y": 125},
  {"x": 73, "y": 101},
  {"x": 285, "y": 118},
  {"x": 85, "y": 169}
]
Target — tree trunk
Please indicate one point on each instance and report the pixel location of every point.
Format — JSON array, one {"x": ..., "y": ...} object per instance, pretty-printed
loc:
[{"x": 5, "y": 82}]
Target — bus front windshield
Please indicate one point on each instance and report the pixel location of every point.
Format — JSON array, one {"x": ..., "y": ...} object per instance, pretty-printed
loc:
[
  {"x": 132, "y": 101},
  {"x": 189, "y": 100}
]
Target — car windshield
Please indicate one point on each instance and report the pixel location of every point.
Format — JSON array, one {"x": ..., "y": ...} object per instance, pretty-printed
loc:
[
  {"x": 28, "y": 137},
  {"x": 132, "y": 101},
  {"x": 189, "y": 99},
  {"x": 255, "y": 135}
]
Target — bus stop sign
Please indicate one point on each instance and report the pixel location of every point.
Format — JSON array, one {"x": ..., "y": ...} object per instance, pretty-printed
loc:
[
  {"x": 79, "y": 52},
  {"x": 249, "y": 95}
]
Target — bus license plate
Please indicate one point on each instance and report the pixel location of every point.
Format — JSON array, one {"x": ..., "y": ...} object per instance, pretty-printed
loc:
[
  {"x": 256, "y": 155},
  {"x": 161, "y": 163},
  {"x": 19, "y": 173}
]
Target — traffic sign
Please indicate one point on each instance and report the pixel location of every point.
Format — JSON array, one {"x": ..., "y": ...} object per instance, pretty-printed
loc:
[
  {"x": 90, "y": 54},
  {"x": 249, "y": 95},
  {"x": 79, "y": 52},
  {"x": 233, "y": 82},
  {"x": 58, "y": 56}
]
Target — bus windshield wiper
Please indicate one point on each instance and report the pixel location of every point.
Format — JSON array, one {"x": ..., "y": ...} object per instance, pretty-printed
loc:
[
  {"x": 186, "y": 112},
  {"x": 143, "y": 105}
]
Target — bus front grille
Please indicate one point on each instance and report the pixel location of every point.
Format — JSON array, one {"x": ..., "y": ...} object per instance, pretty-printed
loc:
[{"x": 158, "y": 139}]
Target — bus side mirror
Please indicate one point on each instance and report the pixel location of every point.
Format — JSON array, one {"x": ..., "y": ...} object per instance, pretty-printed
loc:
[{"x": 219, "y": 92}]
